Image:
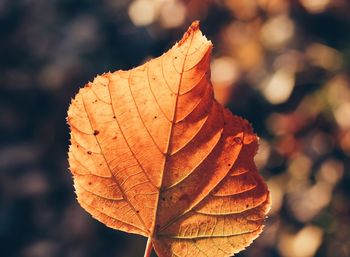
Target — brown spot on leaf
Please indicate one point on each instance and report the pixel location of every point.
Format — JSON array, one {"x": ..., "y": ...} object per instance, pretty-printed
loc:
[{"x": 184, "y": 197}]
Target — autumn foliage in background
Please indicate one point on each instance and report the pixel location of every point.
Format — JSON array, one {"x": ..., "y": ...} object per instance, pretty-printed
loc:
[{"x": 283, "y": 65}]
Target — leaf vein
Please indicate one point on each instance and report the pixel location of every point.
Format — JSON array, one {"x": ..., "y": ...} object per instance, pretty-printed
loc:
[{"x": 116, "y": 181}]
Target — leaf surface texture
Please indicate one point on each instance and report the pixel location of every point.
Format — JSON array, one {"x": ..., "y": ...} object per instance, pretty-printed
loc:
[{"x": 153, "y": 153}]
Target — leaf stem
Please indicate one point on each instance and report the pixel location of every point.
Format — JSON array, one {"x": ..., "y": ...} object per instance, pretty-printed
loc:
[{"x": 149, "y": 247}]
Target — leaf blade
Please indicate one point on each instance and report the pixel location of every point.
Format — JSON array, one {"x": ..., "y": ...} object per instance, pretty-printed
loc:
[{"x": 153, "y": 153}]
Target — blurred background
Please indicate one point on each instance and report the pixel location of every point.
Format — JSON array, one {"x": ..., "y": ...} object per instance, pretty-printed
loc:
[{"x": 283, "y": 65}]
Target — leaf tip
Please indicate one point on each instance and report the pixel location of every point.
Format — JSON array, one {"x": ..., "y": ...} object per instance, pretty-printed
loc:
[
  {"x": 191, "y": 29},
  {"x": 194, "y": 25}
]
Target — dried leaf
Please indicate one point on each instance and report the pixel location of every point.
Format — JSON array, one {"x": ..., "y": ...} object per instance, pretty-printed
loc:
[{"x": 153, "y": 153}]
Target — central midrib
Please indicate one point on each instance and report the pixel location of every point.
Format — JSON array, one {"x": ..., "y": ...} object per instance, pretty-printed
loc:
[{"x": 170, "y": 134}]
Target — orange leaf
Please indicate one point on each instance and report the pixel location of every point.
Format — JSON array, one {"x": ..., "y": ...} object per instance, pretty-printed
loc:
[{"x": 153, "y": 153}]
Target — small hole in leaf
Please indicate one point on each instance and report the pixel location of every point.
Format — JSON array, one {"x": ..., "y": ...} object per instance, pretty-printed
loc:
[{"x": 238, "y": 140}]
